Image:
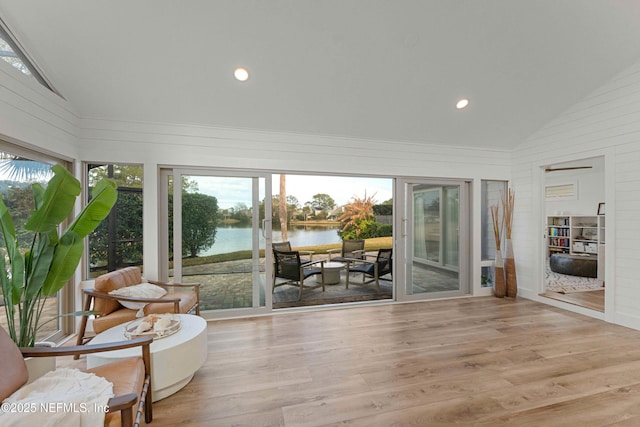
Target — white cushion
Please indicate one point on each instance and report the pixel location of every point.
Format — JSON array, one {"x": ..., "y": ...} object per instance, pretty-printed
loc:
[{"x": 142, "y": 290}]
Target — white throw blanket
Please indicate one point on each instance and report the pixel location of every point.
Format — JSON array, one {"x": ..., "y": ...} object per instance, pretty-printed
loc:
[{"x": 64, "y": 397}]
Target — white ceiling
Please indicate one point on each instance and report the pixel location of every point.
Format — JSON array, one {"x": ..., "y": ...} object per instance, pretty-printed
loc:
[{"x": 377, "y": 69}]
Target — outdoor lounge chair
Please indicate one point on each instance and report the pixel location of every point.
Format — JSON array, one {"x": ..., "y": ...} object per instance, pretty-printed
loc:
[
  {"x": 286, "y": 247},
  {"x": 351, "y": 249},
  {"x": 288, "y": 266},
  {"x": 374, "y": 269}
]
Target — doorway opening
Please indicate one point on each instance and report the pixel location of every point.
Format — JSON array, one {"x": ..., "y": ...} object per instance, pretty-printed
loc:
[{"x": 575, "y": 232}]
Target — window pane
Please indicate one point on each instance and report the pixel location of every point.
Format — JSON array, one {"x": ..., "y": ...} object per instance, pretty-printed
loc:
[
  {"x": 7, "y": 53},
  {"x": 491, "y": 193},
  {"x": 117, "y": 241},
  {"x": 17, "y": 174}
]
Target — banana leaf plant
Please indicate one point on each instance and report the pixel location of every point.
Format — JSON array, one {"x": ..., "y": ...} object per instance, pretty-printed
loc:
[{"x": 31, "y": 276}]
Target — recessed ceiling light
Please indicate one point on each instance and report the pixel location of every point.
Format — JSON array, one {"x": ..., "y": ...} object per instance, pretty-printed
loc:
[
  {"x": 241, "y": 74},
  {"x": 462, "y": 103}
]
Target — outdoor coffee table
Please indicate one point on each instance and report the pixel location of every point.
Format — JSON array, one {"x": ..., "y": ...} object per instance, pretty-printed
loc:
[
  {"x": 174, "y": 358},
  {"x": 331, "y": 273}
]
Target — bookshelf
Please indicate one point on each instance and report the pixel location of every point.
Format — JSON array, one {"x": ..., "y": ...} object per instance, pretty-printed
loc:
[
  {"x": 558, "y": 234},
  {"x": 576, "y": 234}
]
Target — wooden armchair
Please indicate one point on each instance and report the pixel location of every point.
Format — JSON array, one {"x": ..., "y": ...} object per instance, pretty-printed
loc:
[
  {"x": 110, "y": 312},
  {"x": 286, "y": 247},
  {"x": 131, "y": 378},
  {"x": 382, "y": 266},
  {"x": 351, "y": 249},
  {"x": 288, "y": 266}
]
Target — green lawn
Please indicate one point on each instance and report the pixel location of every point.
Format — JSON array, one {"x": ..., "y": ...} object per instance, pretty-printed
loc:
[{"x": 369, "y": 245}]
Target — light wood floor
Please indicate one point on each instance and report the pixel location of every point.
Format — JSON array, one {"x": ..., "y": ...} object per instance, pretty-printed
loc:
[
  {"x": 593, "y": 299},
  {"x": 475, "y": 361}
]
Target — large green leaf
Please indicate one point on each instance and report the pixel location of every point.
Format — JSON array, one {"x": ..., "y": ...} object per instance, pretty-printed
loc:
[
  {"x": 38, "y": 194},
  {"x": 56, "y": 203},
  {"x": 65, "y": 260},
  {"x": 103, "y": 197},
  {"x": 16, "y": 260},
  {"x": 42, "y": 257},
  {"x": 7, "y": 292},
  {"x": 38, "y": 199}
]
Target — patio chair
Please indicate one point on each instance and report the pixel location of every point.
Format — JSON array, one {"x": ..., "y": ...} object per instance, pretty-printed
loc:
[
  {"x": 374, "y": 269},
  {"x": 351, "y": 249},
  {"x": 131, "y": 378},
  {"x": 288, "y": 266},
  {"x": 286, "y": 247}
]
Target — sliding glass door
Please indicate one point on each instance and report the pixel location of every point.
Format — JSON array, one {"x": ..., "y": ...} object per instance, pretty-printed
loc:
[
  {"x": 435, "y": 238},
  {"x": 217, "y": 237}
]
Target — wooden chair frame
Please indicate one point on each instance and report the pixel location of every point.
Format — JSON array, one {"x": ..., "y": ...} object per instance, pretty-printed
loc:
[
  {"x": 296, "y": 272},
  {"x": 381, "y": 266},
  {"x": 89, "y": 295},
  {"x": 124, "y": 403},
  {"x": 351, "y": 249}
]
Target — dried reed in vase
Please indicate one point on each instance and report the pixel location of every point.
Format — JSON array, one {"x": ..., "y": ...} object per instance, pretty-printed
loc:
[
  {"x": 510, "y": 263},
  {"x": 499, "y": 287}
]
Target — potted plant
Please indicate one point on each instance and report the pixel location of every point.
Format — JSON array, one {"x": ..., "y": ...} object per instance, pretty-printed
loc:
[{"x": 40, "y": 271}]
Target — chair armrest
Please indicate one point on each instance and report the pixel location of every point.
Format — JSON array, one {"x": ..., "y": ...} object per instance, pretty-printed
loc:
[
  {"x": 122, "y": 401},
  {"x": 350, "y": 260},
  {"x": 175, "y": 285},
  {"x": 84, "y": 349},
  {"x": 331, "y": 251},
  {"x": 103, "y": 295},
  {"x": 321, "y": 262}
]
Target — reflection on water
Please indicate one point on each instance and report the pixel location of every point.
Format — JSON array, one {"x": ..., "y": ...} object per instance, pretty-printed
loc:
[{"x": 232, "y": 239}]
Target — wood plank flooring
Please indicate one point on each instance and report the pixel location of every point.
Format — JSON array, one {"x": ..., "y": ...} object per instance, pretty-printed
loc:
[
  {"x": 471, "y": 361},
  {"x": 593, "y": 300}
]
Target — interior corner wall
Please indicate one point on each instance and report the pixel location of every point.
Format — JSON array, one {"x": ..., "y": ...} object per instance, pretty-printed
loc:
[
  {"x": 605, "y": 123},
  {"x": 34, "y": 117}
]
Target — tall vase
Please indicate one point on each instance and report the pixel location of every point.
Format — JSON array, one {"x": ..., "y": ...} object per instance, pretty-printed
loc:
[
  {"x": 499, "y": 287},
  {"x": 510, "y": 269}
]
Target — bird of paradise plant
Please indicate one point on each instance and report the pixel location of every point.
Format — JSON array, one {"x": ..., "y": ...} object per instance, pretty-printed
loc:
[{"x": 28, "y": 277}]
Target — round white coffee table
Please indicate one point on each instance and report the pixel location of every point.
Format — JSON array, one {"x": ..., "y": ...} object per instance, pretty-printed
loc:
[
  {"x": 174, "y": 359},
  {"x": 331, "y": 273}
]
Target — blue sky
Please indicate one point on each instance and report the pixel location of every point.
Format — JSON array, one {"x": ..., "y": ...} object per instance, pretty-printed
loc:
[{"x": 231, "y": 191}]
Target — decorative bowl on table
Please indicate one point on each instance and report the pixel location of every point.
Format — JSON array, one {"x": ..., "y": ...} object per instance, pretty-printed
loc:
[{"x": 153, "y": 325}]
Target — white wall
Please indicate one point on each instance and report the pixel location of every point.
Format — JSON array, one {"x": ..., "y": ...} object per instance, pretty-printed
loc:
[
  {"x": 34, "y": 117},
  {"x": 589, "y": 185},
  {"x": 607, "y": 123}
]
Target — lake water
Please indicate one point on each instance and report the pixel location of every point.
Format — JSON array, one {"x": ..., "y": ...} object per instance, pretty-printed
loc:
[{"x": 232, "y": 239}]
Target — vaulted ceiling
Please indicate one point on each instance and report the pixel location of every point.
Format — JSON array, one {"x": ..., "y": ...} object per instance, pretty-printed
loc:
[{"x": 376, "y": 69}]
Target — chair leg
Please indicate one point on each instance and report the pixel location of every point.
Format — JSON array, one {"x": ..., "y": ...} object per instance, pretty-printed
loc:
[
  {"x": 197, "y": 291},
  {"x": 148, "y": 410},
  {"x": 83, "y": 324},
  {"x": 126, "y": 417}
]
